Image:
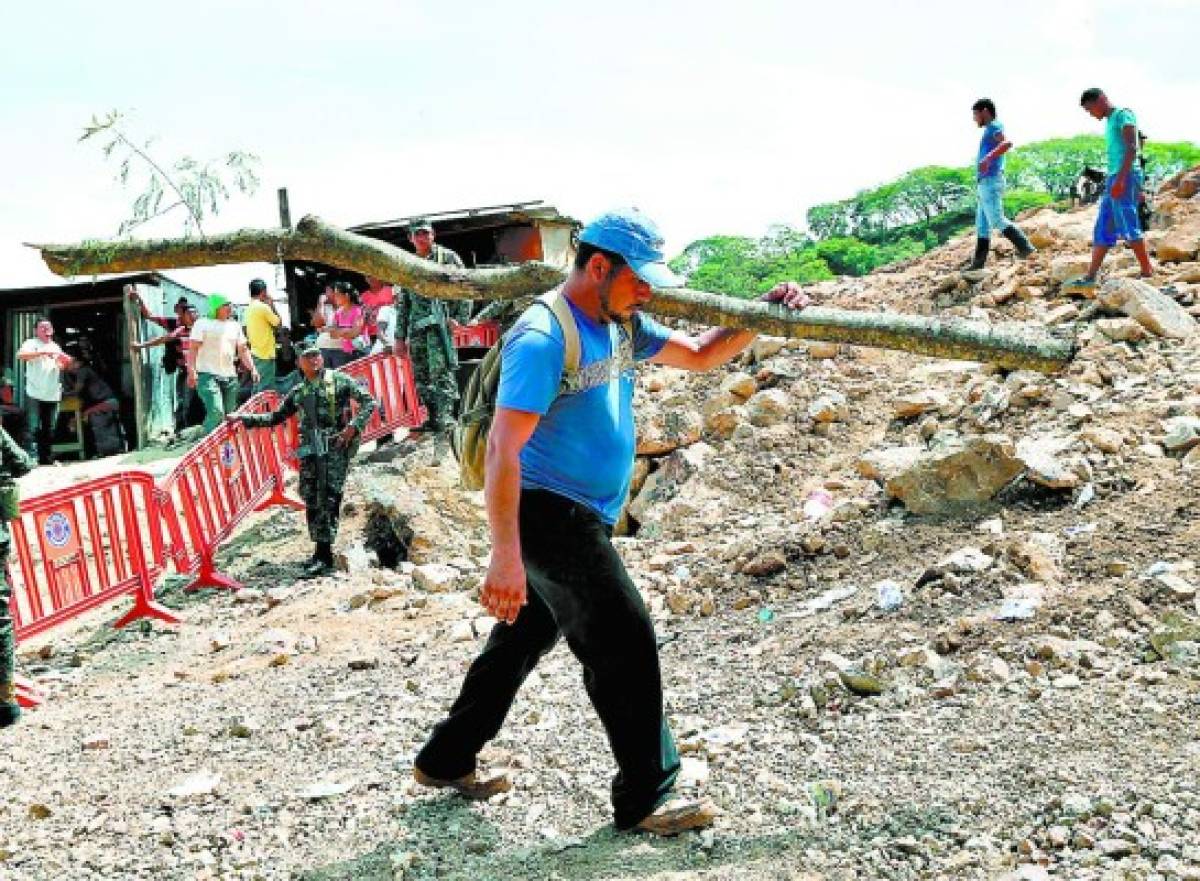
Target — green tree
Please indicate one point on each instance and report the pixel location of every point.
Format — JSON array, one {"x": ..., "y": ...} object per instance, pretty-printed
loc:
[{"x": 198, "y": 188}]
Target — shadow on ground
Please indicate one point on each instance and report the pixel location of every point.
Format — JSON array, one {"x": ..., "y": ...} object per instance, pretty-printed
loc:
[{"x": 451, "y": 841}]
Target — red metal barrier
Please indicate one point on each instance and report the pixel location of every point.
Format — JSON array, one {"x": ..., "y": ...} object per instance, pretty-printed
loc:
[
  {"x": 227, "y": 475},
  {"x": 78, "y": 548},
  {"x": 482, "y": 335},
  {"x": 278, "y": 446},
  {"x": 389, "y": 379},
  {"x": 29, "y": 693}
]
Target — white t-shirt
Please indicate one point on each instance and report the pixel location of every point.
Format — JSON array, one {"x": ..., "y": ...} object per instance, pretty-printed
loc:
[
  {"x": 385, "y": 320},
  {"x": 216, "y": 345},
  {"x": 43, "y": 376},
  {"x": 325, "y": 340}
]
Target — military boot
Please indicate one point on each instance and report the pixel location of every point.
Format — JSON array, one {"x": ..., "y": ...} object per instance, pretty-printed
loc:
[
  {"x": 1014, "y": 235},
  {"x": 10, "y": 712},
  {"x": 321, "y": 562}
]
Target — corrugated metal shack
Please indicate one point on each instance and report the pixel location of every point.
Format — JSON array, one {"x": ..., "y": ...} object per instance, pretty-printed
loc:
[{"x": 94, "y": 317}]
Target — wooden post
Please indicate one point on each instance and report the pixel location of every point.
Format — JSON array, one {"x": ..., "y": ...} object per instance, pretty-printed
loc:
[
  {"x": 285, "y": 213},
  {"x": 133, "y": 333}
]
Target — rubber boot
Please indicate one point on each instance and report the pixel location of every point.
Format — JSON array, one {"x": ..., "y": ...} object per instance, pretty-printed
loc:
[
  {"x": 9, "y": 711},
  {"x": 1013, "y": 234},
  {"x": 981, "y": 254}
]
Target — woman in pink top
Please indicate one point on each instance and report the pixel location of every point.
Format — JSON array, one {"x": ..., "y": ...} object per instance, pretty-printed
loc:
[{"x": 347, "y": 326}]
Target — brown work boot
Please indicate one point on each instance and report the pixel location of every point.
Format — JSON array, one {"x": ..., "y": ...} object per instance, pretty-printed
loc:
[
  {"x": 679, "y": 815},
  {"x": 471, "y": 786}
]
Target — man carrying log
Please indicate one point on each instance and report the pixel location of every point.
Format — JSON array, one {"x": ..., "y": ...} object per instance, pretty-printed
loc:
[
  {"x": 559, "y": 461},
  {"x": 330, "y": 430}
]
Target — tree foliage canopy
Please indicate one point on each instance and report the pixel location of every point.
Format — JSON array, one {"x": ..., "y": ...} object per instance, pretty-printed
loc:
[{"x": 902, "y": 219}]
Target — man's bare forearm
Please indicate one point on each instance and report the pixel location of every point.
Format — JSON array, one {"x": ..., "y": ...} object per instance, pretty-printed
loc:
[
  {"x": 718, "y": 345},
  {"x": 502, "y": 492}
]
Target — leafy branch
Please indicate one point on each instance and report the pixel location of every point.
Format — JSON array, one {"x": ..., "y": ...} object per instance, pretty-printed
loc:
[{"x": 199, "y": 188}]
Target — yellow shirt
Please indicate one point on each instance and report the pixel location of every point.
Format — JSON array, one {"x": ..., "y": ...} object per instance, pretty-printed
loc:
[{"x": 260, "y": 321}]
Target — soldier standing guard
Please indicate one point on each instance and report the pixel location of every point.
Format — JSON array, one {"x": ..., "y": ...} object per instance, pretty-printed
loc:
[
  {"x": 330, "y": 432},
  {"x": 423, "y": 331},
  {"x": 13, "y": 463}
]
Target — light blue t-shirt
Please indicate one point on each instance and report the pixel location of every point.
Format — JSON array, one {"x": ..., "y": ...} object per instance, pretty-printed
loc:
[
  {"x": 583, "y": 447},
  {"x": 993, "y": 135},
  {"x": 1115, "y": 140}
]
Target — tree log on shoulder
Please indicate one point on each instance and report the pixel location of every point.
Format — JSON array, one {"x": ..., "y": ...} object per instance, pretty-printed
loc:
[{"x": 1017, "y": 346}]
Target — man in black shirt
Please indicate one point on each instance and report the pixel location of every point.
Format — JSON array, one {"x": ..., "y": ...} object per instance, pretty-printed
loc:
[{"x": 100, "y": 406}]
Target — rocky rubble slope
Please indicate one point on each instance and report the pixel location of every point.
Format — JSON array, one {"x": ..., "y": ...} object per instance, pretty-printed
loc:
[{"x": 919, "y": 620}]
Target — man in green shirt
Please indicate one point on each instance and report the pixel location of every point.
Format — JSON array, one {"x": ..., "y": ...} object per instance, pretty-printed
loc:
[
  {"x": 330, "y": 429},
  {"x": 1118, "y": 217}
]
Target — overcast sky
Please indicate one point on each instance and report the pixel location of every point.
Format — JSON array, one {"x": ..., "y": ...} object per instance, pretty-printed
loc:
[{"x": 713, "y": 117}]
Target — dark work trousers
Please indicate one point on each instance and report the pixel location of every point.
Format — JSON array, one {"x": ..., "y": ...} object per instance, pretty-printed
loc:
[
  {"x": 578, "y": 588},
  {"x": 43, "y": 416}
]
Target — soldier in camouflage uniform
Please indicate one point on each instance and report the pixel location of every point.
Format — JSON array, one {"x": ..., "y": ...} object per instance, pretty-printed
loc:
[
  {"x": 423, "y": 324},
  {"x": 13, "y": 463},
  {"x": 329, "y": 438}
]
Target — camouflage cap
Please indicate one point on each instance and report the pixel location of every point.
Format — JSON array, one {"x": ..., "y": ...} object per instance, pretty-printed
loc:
[
  {"x": 419, "y": 224},
  {"x": 306, "y": 350}
]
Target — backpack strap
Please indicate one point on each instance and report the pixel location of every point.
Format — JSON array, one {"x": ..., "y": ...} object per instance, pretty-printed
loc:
[{"x": 561, "y": 309}]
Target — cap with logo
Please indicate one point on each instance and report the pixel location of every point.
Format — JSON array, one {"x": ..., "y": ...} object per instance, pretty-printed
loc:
[{"x": 631, "y": 234}]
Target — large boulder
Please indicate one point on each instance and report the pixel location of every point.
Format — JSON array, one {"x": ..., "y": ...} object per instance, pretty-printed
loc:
[
  {"x": 662, "y": 484},
  {"x": 958, "y": 476},
  {"x": 1178, "y": 246},
  {"x": 1149, "y": 307},
  {"x": 883, "y": 465}
]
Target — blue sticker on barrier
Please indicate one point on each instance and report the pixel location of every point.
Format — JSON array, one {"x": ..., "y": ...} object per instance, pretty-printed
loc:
[{"x": 57, "y": 529}]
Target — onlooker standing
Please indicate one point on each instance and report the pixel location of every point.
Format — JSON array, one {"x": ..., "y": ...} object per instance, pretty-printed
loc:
[
  {"x": 44, "y": 363},
  {"x": 1118, "y": 217},
  {"x": 322, "y": 322},
  {"x": 347, "y": 326},
  {"x": 385, "y": 329},
  {"x": 261, "y": 322},
  {"x": 175, "y": 343},
  {"x": 989, "y": 175},
  {"x": 217, "y": 342},
  {"x": 373, "y": 299}
]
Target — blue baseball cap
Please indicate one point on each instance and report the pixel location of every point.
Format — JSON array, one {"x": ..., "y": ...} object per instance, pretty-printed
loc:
[{"x": 633, "y": 235}]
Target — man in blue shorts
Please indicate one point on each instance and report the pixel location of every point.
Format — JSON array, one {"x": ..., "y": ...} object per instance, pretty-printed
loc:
[
  {"x": 989, "y": 175},
  {"x": 1118, "y": 217},
  {"x": 559, "y": 463}
]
